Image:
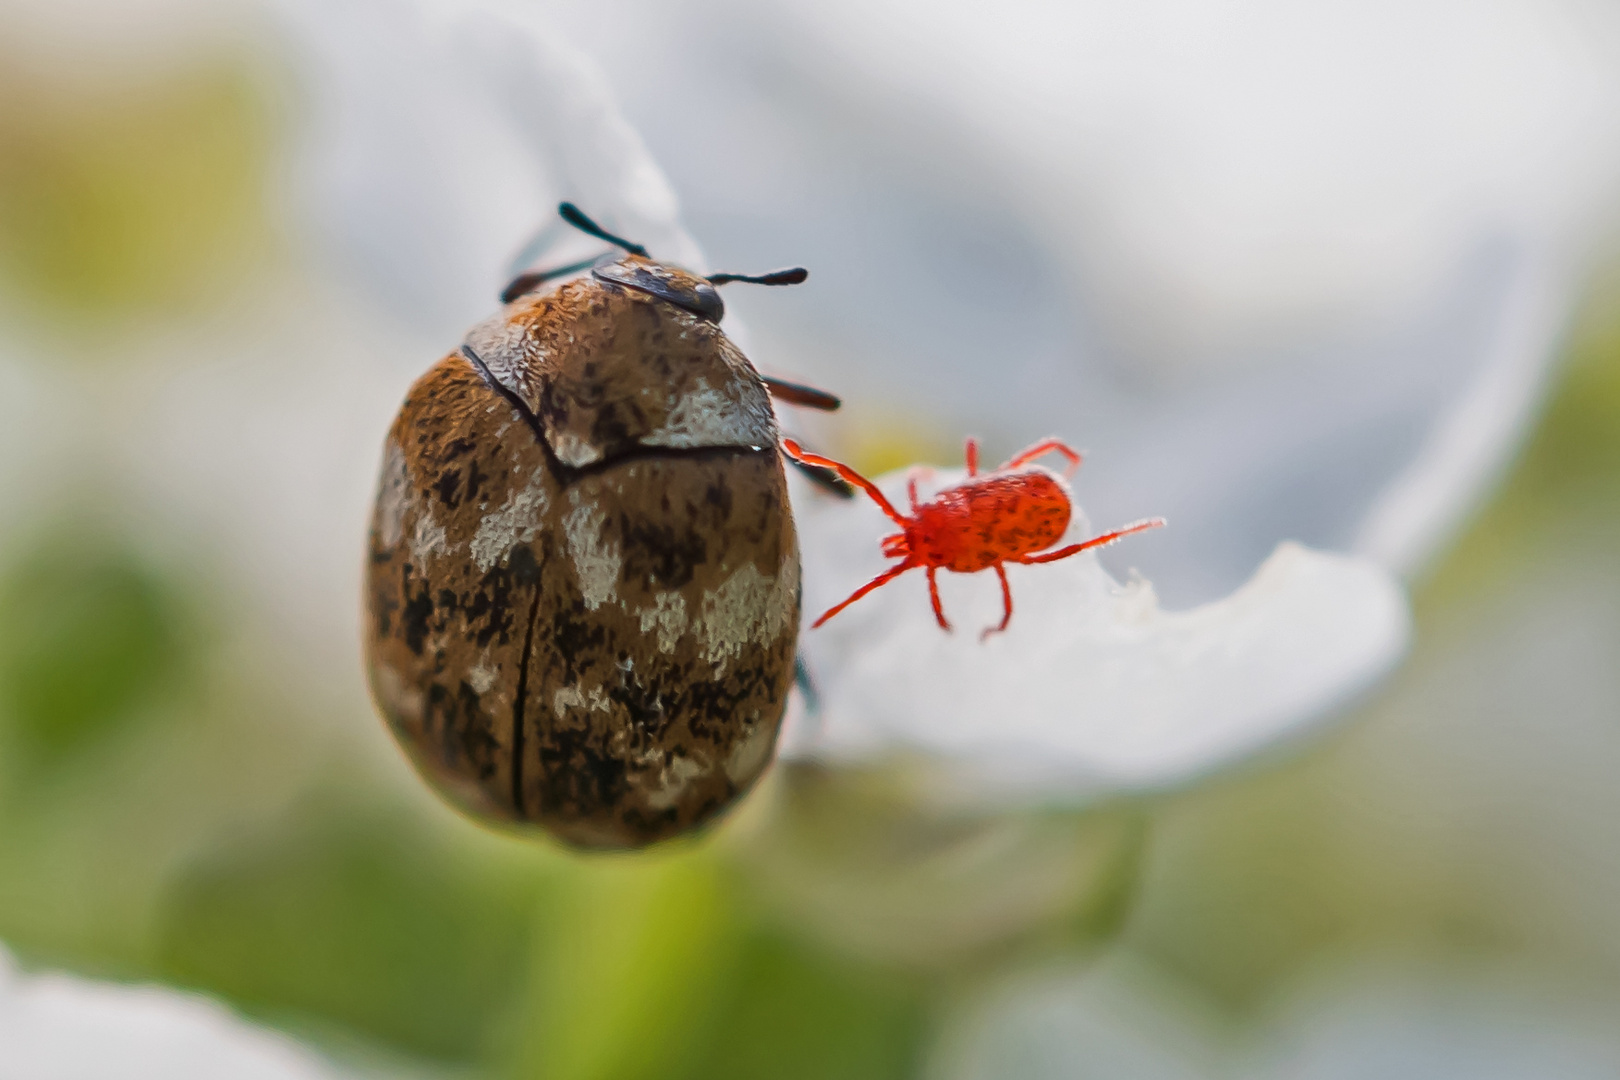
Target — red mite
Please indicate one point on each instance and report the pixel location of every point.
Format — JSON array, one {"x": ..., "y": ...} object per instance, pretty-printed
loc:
[{"x": 1007, "y": 516}]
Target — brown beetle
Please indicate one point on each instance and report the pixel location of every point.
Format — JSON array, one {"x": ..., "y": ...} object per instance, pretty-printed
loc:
[{"x": 583, "y": 586}]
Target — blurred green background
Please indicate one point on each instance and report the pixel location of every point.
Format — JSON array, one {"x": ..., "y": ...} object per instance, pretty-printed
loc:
[{"x": 169, "y": 811}]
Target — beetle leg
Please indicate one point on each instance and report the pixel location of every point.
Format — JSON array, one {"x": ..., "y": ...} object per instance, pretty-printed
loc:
[
  {"x": 798, "y": 453},
  {"x": 882, "y": 579},
  {"x": 1045, "y": 446},
  {"x": 970, "y": 454},
  {"x": 1006, "y": 605},
  {"x": 1096, "y": 541},
  {"x": 806, "y": 685},
  {"x": 933, "y": 595}
]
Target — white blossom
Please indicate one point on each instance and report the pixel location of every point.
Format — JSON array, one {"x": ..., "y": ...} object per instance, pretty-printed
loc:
[
  {"x": 1474, "y": 1022},
  {"x": 60, "y": 1027},
  {"x": 439, "y": 138},
  {"x": 1358, "y": 416},
  {"x": 1093, "y": 689},
  {"x": 1400, "y": 1020},
  {"x": 1319, "y": 296}
]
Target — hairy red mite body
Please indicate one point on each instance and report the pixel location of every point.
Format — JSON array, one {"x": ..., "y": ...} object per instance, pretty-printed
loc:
[
  {"x": 978, "y": 524},
  {"x": 1010, "y": 515}
]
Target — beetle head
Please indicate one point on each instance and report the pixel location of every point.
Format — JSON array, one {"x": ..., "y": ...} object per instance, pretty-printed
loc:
[
  {"x": 638, "y": 270},
  {"x": 679, "y": 287}
]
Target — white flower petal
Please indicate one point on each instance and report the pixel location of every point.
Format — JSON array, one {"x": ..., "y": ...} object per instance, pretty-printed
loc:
[
  {"x": 1298, "y": 275},
  {"x": 1117, "y": 1020},
  {"x": 1377, "y": 443},
  {"x": 857, "y": 860},
  {"x": 58, "y": 1027},
  {"x": 1093, "y": 689},
  {"x": 1121, "y": 1018},
  {"x": 1480, "y": 425},
  {"x": 1404, "y": 1024},
  {"x": 440, "y": 139},
  {"x": 29, "y": 400},
  {"x": 1223, "y": 171}
]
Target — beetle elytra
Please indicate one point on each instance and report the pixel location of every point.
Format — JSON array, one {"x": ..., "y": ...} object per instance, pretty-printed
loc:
[{"x": 583, "y": 583}]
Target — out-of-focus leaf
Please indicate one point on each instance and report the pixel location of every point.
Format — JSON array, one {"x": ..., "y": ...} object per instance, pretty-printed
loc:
[
  {"x": 629, "y": 959},
  {"x": 794, "y": 1013},
  {"x": 88, "y": 634},
  {"x": 854, "y": 858},
  {"x": 379, "y": 928},
  {"x": 650, "y": 966}
]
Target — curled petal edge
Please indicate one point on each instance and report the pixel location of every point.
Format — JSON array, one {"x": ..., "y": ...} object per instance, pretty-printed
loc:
[{"x": 1095, "y": 691}]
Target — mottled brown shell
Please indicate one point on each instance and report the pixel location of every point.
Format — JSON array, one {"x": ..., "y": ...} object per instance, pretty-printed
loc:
[{"x": 583, "y": 587}]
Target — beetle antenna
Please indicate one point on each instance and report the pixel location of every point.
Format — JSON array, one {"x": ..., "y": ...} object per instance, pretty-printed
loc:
[
  {"x": 794, "y": 276},
  {"x": 532, "y": 280},
  {"x": 576, "y": 217}
]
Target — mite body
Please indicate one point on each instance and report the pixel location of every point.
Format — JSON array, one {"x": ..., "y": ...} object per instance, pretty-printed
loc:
[
  {"x": 583, "y": 585},
  {"x": 1011, "y": 515}
]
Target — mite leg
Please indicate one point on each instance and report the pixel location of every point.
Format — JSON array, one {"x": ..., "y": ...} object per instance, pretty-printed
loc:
[
  {"x": 917, "y": 473},
  {"x": 798, "y": 394},
  {"x": 798, "y": 453},
  {"x": 933, "y": 595},
  {"x": 882, "y": 579},
  {"x": 970, "y": 454},
  {"x": 1096, "y": 541},
  {"x": 1045, "y": 446},
  {"x": 825, "y": 479},
  {"x": 1006, "y": 604}
]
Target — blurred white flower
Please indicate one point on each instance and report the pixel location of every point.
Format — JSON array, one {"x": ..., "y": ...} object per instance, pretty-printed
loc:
[
  {"x": 1394, "y": 1020},
  {"x": 434, "y": 140},
  {"x": 1225, "y": 174},
  {"x": 1290, "y": 277},
  {"x": 439, "y": 138},
  {"x": 1290, "y": 274},
  {"x": 60, "y": 1027},
  {"x": 1117, "y": 1019},
  {"x": 1399, "y": 1022}
]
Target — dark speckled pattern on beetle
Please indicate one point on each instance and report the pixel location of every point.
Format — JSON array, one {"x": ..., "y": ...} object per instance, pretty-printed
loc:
[{"x": 583, "y": 589}]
